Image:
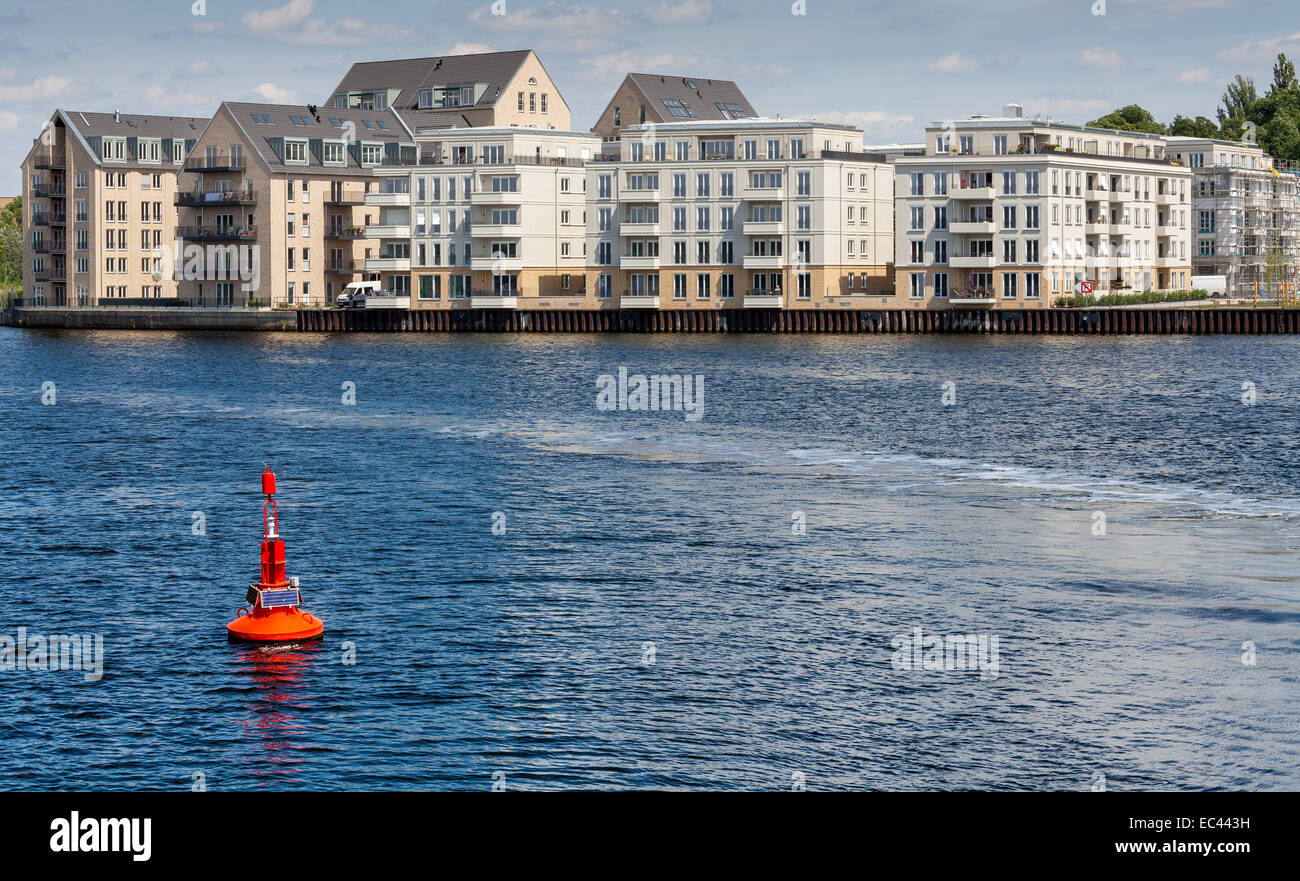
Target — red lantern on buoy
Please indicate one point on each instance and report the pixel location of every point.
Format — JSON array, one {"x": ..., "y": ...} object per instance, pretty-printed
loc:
[{"x": 275, "y": 616}]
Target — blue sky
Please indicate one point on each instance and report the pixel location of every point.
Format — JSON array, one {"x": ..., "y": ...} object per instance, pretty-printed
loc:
[{"x": 888, "y": 66}]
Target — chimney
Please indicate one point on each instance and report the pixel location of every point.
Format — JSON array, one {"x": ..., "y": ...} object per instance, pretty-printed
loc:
[{"x": 1013, "y": 111}]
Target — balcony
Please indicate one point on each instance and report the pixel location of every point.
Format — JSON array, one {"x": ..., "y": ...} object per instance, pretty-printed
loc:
[
  {"x": 971, "y": 298},
  {"x": 983, "y": 227},
  {"x": 214, "y": 164},
  {"x": 639, "y": 195},
  {"x": 388, "y": 264},
  {"x": 214, "y": 200},
  {"x": 763, "y": 227},
  {"x": 1167, "y": 199},
  {"x": 490, "y": 197},
  {"x": 628, "y": 228},
  {"x": 382, "y": 199},
  {"x": 48, "y": 191},
  {"x": 1092, "y": 194},
  {"x": 763, "y": 261},
  {"x": 496, "y": 264},
  {"x": 762, "y": 194},
  {"x": 345, "y": 200},
  {"x": 1166, "y": 230},
  {"x": 1096, "y": 227},
  {"x": 217, "y": 233},
  {"x": 983, "y": 261},
  {"x": 49, "y": 218},
  {"x": 496, "y": 231},
  {"x": 982, "y": 193},
  {"x": 388, "y": 231},
  {"x": 491, "y": 300},
  {"x": 49, "y": 162},
  {"x": 345, "y": 233},
  {"x": 345, "y": 267},
  {"x": 638, "y": 301},
  {"x": 1171, "y": 262},
  {"x": 763, "y": 300},
  {"x": 638, "y": 263}
]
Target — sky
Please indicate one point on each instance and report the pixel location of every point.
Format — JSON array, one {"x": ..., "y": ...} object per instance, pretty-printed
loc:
[{"x": 889, "y": 67}]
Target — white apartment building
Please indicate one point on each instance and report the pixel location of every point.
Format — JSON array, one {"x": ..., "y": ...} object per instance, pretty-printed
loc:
[
  {"x": 1013, "y": 212},
  {"x": 742, "y": 213},
  {"x": 483, "y": 218},
  {"x": 1245, "y": 215}
]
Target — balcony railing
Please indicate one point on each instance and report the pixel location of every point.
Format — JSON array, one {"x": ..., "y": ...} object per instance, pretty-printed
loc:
[
  {"x": 345, "y": 233},
  {"x": 217, "y": 199},
  {"x": 345, "y": 267},
  {"x": 46, "y": 218},
  {"x": 345, "y": 200},
  {"x": 48, "y": 191},
  {"x": 50, "y": 163},
  {"x": 217, "y": 233},
  {"x": 220, "y": 162}
]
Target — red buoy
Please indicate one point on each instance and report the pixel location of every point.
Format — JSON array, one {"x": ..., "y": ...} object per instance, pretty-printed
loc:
[{"x": 275, "y": 616}]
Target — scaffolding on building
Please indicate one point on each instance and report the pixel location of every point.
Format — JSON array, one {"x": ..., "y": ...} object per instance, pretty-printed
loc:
[{"x": 1248, "y": 228}]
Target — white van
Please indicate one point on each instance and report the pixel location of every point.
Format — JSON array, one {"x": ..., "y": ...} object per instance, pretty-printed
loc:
[{"x": 355, "y": 294}]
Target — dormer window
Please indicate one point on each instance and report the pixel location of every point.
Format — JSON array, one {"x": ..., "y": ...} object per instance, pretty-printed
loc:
[
  {"x": 426, "y": 99},
  {"x": 381, "y": 100},
  {"x": 333, "y": 153},
  {"x": 341, "y": 101},
  {"x": 114, "y": 149},
  {"x": 295, "y": 152},
  {"x": 148, "y": 150},
  {"x": 372, "y": 154}
]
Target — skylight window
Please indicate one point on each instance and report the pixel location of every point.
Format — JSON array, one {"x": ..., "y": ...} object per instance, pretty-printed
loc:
[
  {"x": 677, "y": 108},
  {"x": 730, "y": 111},
  {"x": 260, "y": 117}
]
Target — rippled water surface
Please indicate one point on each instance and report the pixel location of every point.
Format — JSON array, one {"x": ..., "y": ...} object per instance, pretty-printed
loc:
[{"x": 633, "y": 537}]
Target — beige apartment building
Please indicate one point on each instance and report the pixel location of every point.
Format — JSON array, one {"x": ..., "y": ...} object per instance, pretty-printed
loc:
[
  {"x": 484, "y": 218},
  {"x": 274, "y": 195},
  {"x": 477, "y": 90},
  {"x": 1012, "y": 212},
  {"x": 749, "y": 213},
  {"x": 653, "y": 98},
  {"x": 1245, "y": 215},
  {"x": 98, "y": 206}
]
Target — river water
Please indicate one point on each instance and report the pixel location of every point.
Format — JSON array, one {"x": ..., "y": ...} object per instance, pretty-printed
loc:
[{"x": 524, "y": 589}]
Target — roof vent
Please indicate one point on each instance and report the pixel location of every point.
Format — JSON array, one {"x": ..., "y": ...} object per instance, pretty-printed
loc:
[
  {"x": 117, "y": 116},
  {"x": 1013, "y": 111}
]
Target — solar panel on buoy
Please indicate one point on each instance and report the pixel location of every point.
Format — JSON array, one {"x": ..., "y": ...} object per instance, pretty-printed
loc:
[{"x": 274, "y": 599}]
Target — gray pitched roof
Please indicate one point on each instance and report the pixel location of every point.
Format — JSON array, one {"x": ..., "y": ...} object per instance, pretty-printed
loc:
[
  {"x": 700, "y": 95},
  {"x": 142, "y": 125},
  {"x": 368, "y": 125},
  {"x": 410, "y": 75}
]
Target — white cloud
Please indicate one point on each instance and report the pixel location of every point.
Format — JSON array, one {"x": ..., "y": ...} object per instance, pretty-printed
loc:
[
  {"x": 1253, "y": 50},
  {"x": 199, "y": 68},
  {"x": 866, "y": 119},
  {"x": 274, "y": 94},
  {"x": 764, "y": 68},
  {"x": 954, "y": 63},
  {"x": 1099, "y": 57},
  {"x": 616, "y": 64},
  {"x": 292, "y": 23},
  {"x": 685, "y": 12},
  {"x": 37, "y": 89},
  {"x": 572, "y": 19},
  {"x": 159, "y": 96},
  {"x": 1195, "y": 75},
  {"x": 468, "y": 49},
  {"x": 295, "y": 12},
  {"x": 9, "y": 121}
]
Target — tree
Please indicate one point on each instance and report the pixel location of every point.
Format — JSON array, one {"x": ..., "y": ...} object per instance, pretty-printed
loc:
[
  {"x": 1132, "y": 118},
  {"x": 1239, "y": 100},
  {"x": 1284, "y": 74},
  {"x": 1200, "y": 127},
  {"x": 11, "y": 216},
  {"x": 11, "y": 257}
]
